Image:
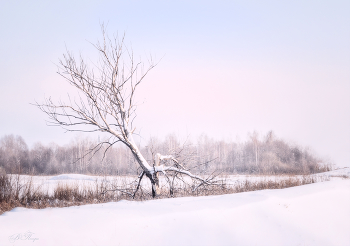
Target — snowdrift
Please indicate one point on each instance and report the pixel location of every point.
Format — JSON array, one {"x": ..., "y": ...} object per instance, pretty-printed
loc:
[{"x": 316, "y": 214}]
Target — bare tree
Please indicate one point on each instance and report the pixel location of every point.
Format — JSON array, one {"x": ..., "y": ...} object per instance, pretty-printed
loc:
[
  {"x": 106, "y": 103},
  {"x": 255, "y": 140}
]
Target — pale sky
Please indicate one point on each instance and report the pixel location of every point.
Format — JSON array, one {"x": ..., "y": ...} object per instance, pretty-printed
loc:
[{"x": 228, "y": 67}]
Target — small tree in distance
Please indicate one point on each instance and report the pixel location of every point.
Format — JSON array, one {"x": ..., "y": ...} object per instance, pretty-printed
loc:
[{"x": 106, "y": 104}]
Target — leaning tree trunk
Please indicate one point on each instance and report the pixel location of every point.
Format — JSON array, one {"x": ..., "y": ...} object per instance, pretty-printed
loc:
[{"x": 150, "y": 172}]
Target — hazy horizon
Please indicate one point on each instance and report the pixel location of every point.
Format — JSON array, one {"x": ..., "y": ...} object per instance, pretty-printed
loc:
[{"x": 226, "y": 68}]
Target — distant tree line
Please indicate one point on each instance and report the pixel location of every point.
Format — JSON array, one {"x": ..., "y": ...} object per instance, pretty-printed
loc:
[{"x": 258, "y": 155}]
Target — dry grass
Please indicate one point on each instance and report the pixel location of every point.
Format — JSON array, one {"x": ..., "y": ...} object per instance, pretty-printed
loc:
[
  {"x": 16, "y": 193},
  {"x": 224, "y": 186},
  {"x": 343, "y": 176}
]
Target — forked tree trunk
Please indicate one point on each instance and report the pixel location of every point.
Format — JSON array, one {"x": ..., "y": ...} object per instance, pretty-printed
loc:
[{"x": 155, "y": 184}]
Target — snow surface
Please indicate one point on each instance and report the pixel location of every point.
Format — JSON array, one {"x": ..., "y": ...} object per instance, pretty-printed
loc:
[
  {"x": 315, "y": 214},
  {"x": 74, "y": 177}
]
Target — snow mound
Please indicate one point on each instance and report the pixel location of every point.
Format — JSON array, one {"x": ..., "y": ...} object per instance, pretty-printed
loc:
[
  {"x": 73, "y": 177},
  {"x": 315, "y": 214}
]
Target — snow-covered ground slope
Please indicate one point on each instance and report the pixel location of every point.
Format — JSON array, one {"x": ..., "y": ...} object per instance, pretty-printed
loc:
[{"x": 315, "y": 214}]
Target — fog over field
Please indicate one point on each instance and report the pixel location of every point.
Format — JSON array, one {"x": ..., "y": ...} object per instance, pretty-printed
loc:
[{"x": 226, "y": 68}]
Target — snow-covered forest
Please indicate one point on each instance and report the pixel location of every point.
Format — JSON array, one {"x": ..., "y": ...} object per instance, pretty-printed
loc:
[{"x": 264, "y": 154}]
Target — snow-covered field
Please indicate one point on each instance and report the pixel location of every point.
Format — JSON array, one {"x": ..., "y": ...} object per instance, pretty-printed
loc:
[
  {"x": 314, "y": 214},
  {"x": 49, "y": 183}
]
